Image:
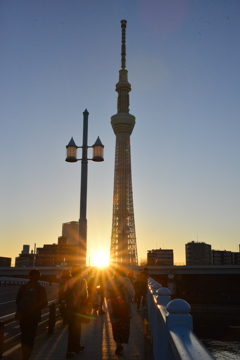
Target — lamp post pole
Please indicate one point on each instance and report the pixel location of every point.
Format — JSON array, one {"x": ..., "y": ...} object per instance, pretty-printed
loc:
[
  {"x": 82, "y": 223},
  {"x": 71, "y": 157}
]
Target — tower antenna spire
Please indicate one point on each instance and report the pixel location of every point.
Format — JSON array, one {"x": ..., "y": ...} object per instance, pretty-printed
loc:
[
  {"x": 123, "y": 239},
  {"x": 123, "y": 53}
]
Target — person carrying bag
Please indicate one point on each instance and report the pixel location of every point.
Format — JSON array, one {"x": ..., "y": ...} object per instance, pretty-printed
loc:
[
  {"x": 76, "y": 295},
  {"x": 31, "y": 299}
]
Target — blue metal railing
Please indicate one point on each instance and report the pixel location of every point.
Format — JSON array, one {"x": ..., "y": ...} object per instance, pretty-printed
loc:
[
  {"x": 7, "y": 319},
  {"x": 171, "y": 327}
]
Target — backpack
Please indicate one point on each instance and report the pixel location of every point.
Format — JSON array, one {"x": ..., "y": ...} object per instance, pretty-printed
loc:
[
  {"x": 28, "y": 301},
  {"x": 118, "y": 303},
  {"x": 69, "y": 294},
  {"x": 83, "y": 309}
]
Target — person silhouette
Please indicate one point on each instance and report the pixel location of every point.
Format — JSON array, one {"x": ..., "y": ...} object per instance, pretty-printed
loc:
[
  {"x": 31, "y": 299},
  {"x": 75, "y": 293}
]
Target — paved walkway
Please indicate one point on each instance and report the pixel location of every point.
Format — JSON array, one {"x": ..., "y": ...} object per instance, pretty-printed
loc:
[{"x": 97, "y": 339}]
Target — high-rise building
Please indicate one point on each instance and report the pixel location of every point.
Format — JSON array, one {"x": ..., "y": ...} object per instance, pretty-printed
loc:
[
  {"x": 123, "y": 238},
  {"x": 25, "y": 259},
  {"x": 236, "y": 258},
  {"x": 5, "y": 261},
  {"x": 220, "y": 257},
  {"x": 26, "y": 249},
  {"x": 198, "y": 253},
  {"x": 160, "y": 257},
  {"x": 70, "y": 231},
  {"x": 223, "y": 257},
  {"x": 62, "y": 253}
]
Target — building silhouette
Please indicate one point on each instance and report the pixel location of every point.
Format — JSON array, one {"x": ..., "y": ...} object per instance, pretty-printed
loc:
[
  {"x": 70, "y": 231},
  {"x": 123, "y": 238},
  {"x": 5, "y": 261},
  {"x": 26, "y": 258},
  {"x": 223, "y": 257},
  {"x": 160, "y": 257},
  {"x": 58, "y": 254},
  {"x": 198, "y": 253},
  {"x": 62, "y": 253}
]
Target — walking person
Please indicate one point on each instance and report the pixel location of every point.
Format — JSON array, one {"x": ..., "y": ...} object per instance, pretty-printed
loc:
[
  {"x": 101, "y": 291},
  {"x": 92, "y": 291},
  {"x": 31, "y": 299},
  {"x": 119, "y": 292},
  {"x": 75, "y": 293},
  {"x": 130, "y": 276},
  {"x": 66, "y": 275},
  {"x": 142, "y": 281}
]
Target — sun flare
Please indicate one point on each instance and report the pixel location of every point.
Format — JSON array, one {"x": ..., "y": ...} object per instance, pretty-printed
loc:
[{"x": 101, "y": 259}]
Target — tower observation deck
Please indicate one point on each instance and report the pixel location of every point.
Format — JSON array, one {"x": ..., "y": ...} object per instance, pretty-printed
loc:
[{"x": 123, "y": 239}]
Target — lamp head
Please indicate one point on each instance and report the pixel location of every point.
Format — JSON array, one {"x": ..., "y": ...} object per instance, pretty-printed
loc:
[
  {"x": 98, "y": 151},
  {"x": 71, "y": 151}
]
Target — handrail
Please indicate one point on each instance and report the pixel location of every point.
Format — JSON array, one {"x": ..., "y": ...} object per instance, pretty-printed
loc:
[
  {"x": 171, "y": 327},
  {"x": 7, "y": 319},
  {"x": 4, "y": 281}
]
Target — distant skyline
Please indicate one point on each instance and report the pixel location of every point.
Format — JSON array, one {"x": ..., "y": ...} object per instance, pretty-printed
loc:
[{"x": 60, "y": 57}]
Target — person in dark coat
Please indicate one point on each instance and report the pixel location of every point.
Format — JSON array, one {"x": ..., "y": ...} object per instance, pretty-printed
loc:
[
  {"x": 66, "y": 275},
  {"x": 76, "y": 292},
  {"x": 92, "y": 290},
  {"x": 101, "y": 291},
  {"x": 120, "y": 325},
  {"x": 141, "y": 288},
  {"x": 31, "y": 316}
]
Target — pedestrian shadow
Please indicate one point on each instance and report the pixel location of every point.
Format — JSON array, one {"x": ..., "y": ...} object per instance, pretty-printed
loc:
[
  {"x": 51, "y": 346},
  {"x": 96, "y": 337}
]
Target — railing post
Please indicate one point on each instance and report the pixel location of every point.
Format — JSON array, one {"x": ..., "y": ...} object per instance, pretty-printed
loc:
[
  {"x": 163, "y": 296},
  {"x": 178, "y": 314},
  {"x": 156, "y": 323},
  {"x": 1, "y": 338},
  {"x": 151, "y": 306},
  {"x": 52, "y": 318},
  {"x": 161, "y": 337}
]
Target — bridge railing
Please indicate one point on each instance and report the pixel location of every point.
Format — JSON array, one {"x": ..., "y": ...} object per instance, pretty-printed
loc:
[
  {"x": 171, "y": 327},
  {"x": 7, "y": 281},
  {"x": 7, "y": 319}
]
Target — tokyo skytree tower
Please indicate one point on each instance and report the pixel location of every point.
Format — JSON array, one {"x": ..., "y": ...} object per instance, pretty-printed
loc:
[{"x": 123, "y": 239}]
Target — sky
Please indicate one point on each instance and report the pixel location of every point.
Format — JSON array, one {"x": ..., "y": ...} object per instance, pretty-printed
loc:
[{"x": 60, "y": 57}]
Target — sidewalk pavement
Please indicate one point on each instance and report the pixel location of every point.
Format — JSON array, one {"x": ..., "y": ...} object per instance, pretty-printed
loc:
[{"x": 97, "y": 339}]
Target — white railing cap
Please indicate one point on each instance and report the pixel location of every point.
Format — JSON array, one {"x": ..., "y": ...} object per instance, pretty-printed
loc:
[
  {"x": 156, "y": 286},
  {"x": 151, "y": 281},
  {"x": 178, "y": 306},
  {"x": 162, "y": 291}
]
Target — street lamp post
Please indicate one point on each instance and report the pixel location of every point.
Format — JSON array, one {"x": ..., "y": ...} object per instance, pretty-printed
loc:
[{"x": 72, "y": 157}]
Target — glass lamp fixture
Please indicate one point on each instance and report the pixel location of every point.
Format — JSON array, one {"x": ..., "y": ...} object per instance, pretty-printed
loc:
[
  {"x": 71, "y": 151},
  {"x": 98, "y": 150}
]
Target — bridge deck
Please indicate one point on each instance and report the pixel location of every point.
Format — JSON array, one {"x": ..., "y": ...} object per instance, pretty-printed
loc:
[{"x": 97, "y": 339}]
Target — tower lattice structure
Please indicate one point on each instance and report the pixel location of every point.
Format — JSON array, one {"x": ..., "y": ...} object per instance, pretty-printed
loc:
[{"x": 123, "y": 238}]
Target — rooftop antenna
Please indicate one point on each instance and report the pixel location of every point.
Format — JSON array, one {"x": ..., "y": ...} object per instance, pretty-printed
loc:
[{"x": 123, "y": 53}]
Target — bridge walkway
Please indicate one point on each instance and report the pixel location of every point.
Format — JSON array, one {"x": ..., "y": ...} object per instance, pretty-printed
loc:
[{"x": 97, "y": 339}]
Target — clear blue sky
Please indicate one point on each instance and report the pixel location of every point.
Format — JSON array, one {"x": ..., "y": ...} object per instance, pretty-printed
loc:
[{"x": 59, "y": 57}]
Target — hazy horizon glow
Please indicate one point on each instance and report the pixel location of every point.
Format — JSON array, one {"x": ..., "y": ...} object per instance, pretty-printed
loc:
[{"x": 59, "y": 58}]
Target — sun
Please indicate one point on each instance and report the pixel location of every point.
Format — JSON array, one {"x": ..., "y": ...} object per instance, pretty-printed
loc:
[{"x": 101, "y": 259}]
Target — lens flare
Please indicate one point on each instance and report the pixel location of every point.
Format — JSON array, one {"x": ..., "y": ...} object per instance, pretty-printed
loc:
[{"x": 101, "y": 259}]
